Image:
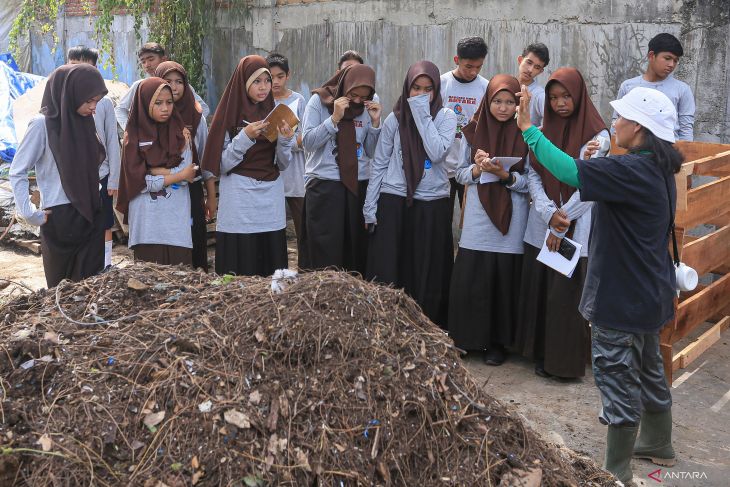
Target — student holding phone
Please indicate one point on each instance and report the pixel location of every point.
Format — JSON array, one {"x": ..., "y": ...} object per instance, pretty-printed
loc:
[
  {"x": 630, "y": 282},
  {"x": 550, "y": 329}
]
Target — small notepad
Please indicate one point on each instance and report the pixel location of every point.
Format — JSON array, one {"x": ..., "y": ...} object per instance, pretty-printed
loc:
[
  {"x": 507, "y": 162},
  {"x": 556, "y": 261}
]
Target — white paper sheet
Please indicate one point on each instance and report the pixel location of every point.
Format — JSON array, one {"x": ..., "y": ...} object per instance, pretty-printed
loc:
[
  {"x": 557, "y": 261},
  {"x": 507, "y": 162}
]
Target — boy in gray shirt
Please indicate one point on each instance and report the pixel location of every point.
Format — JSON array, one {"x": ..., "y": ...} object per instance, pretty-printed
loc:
[{"x": 664, "y": 53}]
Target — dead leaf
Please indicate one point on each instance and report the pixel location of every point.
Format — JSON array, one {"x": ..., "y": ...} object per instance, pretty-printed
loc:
[
  {"x": 273, "y": 415},
  {"x": 383, "y": 472},
  {"x": 197, "y": 476},
  {"x": 136, "y": 445},
  {"x": 153, "y": 419},
  {"x": 52, "y": 337},
  {"x": 522, "y": 478},
  {"x": 136, "y": 284},
  {"x": 195, "y": 463},
  {"x": 302, "y": 460},
  {"x": 340, "y": 448},
  {"x": 284, "y": 406},
  {"x": 22, "y": 334},
  {"x": 237, "y": 418},
  {"x": 409, "y": 366},
  {"x": 45, "y": 442},
  {"x": 254, "y": 398},
  {"x": 259, "y": 334}
]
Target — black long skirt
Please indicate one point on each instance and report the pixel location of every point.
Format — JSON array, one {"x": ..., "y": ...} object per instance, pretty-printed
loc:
[
  {"x": 550, "y": 328},
  {"x": 163, "y": 254},
  {"x": 484, "y": 297},
  {"x": 71, "y": 247},
  {"x": 250, "y": 254},
  {"x": 199, "y": 228},
  {"x": 333, "y": 233},
  {"x": 411, "y": 249}
]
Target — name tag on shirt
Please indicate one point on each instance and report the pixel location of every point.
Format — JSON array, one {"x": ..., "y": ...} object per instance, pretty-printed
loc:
[
  {"x": 427, "y": 164},
  {"x": 359, "y": 150}
]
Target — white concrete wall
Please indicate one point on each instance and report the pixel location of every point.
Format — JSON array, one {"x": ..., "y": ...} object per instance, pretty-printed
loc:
[{"x": 606, "y": 39}]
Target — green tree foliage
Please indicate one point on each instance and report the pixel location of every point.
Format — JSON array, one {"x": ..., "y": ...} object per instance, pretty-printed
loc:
[{"x": 179, "y": 25}]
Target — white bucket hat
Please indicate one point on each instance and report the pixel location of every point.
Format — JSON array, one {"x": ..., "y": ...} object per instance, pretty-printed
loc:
[{"x": 649, "y": 108}]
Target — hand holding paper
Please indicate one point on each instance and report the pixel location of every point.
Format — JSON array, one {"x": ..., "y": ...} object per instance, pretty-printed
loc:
[{"x": 499, "y": 164}]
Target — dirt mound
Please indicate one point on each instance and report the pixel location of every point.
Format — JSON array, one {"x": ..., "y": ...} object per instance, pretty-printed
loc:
[{"x": 156, "y": 376}]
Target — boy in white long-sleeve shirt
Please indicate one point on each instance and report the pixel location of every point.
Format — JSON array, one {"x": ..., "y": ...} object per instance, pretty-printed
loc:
[{"x": 106, "y": 129}]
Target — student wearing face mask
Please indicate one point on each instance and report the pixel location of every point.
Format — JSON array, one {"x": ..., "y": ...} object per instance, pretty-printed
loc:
[
  {"x": 340, "y": 130},
  {"x": 62, "y": 146},
  {"x": 407, "y": 205},
  {"x": 486, "y": 280},
  {"x": 550, "y": 329},
  {"x": 156, "y": 206}
]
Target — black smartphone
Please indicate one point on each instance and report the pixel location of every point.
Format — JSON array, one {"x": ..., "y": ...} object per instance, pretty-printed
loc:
[{"x": 566, "y": 249}]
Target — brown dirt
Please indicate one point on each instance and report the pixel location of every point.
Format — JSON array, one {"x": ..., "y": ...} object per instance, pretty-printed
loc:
[{"x": 334, "y": 381}]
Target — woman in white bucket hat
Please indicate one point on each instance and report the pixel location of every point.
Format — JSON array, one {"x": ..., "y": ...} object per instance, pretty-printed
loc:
[{"x": 630, "y": 284}]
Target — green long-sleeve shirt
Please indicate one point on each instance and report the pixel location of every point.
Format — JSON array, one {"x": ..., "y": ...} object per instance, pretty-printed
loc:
[{"x": 560, "y": 164}]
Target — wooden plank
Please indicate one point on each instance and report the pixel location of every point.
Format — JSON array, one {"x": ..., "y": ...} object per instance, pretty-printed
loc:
[
  {"x": 698, "y": 150},
  {"x": 692, "y": 351},
  {"x": 709, "y": 252},
  {"x": 717, "y": 165},
  {"x": 705, "y": 203},
  {"x": 720, "y": 221},
  {"x": 700, "y": 307}
]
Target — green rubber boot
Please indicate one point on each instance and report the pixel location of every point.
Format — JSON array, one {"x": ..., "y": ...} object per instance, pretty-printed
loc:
[
  {"x": 619, "y": 446},
  {"x": 655, "y": 439}
]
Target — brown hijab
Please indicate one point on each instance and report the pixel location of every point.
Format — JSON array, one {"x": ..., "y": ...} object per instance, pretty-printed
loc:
[
  {"x": 72, "y": 138},
  {"x": 189, "y": 109},
  {"x": 168, "y": 139},
  {"x": 234, "y": 107},
  {"x": 338, "y": 86},
  {"x": 414, "y": 154},
  {"x": 498, "y": 139},
  {"x": 568, "y": 134}
]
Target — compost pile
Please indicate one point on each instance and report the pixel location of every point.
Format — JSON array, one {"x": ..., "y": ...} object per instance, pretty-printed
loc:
[{"x": 157, "y": 376}]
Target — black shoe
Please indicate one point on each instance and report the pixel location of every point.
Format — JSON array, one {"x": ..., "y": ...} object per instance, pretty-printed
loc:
[
  {"x": 495, "y": 356},
  {"x": 540, "y": 370}
]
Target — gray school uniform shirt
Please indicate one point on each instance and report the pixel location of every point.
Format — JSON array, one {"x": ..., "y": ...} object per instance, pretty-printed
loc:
[
  {"x": 478, "y": 232},
  {"x": 542, "y": 209},
  {"x": 319, "y": 138},
  {"x": 678, "y": 91},
  {"x": 294, "y": 173},
  {"x": 387, "y": 174},
  {"x": 161, "y": 214},
  {"x": 537, "y": 103},
  {"x": 34, "y": 153},
  {"x": 125, "y": 104},
  {"x": 247, "y": 205},
  {"x": 106, "y": 129}
]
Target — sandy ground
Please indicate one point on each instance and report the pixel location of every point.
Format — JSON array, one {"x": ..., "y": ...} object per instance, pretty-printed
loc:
[{"x": 562, "y": 412}]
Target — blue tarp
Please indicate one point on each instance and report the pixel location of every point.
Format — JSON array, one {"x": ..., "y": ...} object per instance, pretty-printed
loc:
[{"x": 12, "y": 85}]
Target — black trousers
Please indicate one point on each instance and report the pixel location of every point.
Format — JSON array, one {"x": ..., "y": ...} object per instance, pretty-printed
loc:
[
  {"x": 412, "y": 249},
  {"x": 334, "y": 227},
  {"x": 71, "y": 246},
  {"x": 199, "y": 228}
]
